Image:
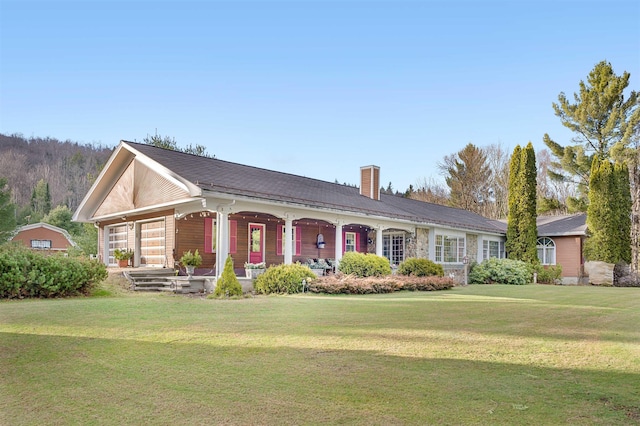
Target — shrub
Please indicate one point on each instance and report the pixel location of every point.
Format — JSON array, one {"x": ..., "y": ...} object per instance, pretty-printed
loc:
[
  {"x": 501, "y": 271},
  {"x": 420, "y": 268},
  {"x": 364, "y": 265},
  {"x": 349, "y": 284},
  {"x": 548, "y": 274},
  {"x": 283, "y": 279},
  {"x": 24, "y": 273},
  {"x": 228, "y": 284}
]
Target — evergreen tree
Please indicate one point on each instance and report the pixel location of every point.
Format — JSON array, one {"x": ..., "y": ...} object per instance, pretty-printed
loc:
[
  {"x": 467, "y": 174},
  {"x": 522, "y": 232},
  {"x": 606, "y": 124},
  {"x": 228, "y": 284},
  {"x": 608, "y": 214},
  {"x": 512, "y": 245},
  {"x": 528, "y": 228},
  {"x": 7, "y": 212},
  {"x": 40, "y": 201},
  {"x": 168, "y": 142}
]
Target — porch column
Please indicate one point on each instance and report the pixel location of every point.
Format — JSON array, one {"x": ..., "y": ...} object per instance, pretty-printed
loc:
[
  {"x": 288, "y": 241},
  {"x": 379, "y": 241},
  {"x": 222, "y": 241},
  {"x": 338, "y": 253}
]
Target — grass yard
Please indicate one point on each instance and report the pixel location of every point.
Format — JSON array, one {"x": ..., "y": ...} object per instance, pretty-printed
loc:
[{"x": 528, "y": 355}]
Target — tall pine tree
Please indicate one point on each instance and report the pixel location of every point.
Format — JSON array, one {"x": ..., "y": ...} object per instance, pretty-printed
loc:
[{"x": 522, "y": 231}]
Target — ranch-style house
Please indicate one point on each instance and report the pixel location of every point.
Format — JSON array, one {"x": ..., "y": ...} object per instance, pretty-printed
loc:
[{"x": 161, "y": 203}]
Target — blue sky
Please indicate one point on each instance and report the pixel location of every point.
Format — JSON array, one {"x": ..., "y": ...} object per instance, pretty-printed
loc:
[{"x": 315, "y": 88}]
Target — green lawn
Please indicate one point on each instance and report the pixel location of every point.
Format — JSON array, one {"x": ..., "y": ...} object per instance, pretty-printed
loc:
[{"x": 530, "y": 355}]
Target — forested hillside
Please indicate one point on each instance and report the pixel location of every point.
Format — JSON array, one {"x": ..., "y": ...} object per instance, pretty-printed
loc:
[{"x": 68, "y": 168}]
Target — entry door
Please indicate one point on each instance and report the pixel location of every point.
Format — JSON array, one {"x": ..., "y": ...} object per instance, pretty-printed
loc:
[{"x": 256, "y": 243}]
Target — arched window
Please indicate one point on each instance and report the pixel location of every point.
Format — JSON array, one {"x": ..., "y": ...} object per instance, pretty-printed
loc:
[{"x": 546, "y": 251}]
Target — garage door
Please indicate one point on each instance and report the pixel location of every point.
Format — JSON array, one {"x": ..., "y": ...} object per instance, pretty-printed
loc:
[
  {"x": 152, "y": 241},
  {"x": 116, "y": 239}
]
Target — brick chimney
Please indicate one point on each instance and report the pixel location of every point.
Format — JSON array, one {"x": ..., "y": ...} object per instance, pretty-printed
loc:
[{"x": 370, "y": 182}]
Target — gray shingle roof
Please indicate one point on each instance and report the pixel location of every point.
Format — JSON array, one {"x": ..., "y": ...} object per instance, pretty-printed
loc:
[
  {"x": 238, "y": 179},
  {"x": 550, "y": 226}
]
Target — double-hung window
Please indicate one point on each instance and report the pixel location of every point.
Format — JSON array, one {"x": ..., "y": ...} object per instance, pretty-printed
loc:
[
  {"x": 393, "y": 247},
  {"x": 492, "y": 248},
  {"x": 450, "y": 248},
  {"x": 350, "y": 241}
]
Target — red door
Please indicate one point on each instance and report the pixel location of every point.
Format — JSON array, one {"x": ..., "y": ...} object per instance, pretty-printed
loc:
[{"x": 256, "y": 243}]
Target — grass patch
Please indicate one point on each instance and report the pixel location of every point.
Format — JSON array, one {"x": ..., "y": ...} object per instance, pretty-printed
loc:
[{"x": 471, "y": 355}]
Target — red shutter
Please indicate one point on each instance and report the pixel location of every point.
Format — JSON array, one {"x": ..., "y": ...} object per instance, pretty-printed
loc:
[
  {"x": 358, "y": 237},
  {"x": 208, "y": 238},
  {"x": 233, "y": 236},
  {"x": 344, "y": 241},
  {"x": 298, "y": 241},
  {"x": 279, "y": 240}
]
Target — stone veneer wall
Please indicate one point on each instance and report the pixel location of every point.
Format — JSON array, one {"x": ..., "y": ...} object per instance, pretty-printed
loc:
[
  {"x": 472, "y": 247},
  {"x": 421, "y": 243}
]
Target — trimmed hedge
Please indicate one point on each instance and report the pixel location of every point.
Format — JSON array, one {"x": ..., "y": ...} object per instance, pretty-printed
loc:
[
  {"x": 283, "y": 279},
  {"x": 25, "y": 273},
  {"x": 420, "y": 268},
  {"x": 501, "y": 271},
  {"x": 349, "y": 284},
  {"x": 364, "y": 265}
]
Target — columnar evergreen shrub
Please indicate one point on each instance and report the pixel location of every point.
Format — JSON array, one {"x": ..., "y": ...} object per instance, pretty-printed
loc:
[
  {"x": 521, "y": 220},
  {"x": 609, "y": 213},
  {"x": 364, "y": 265},
  {"x": 284, "y": 279},
  {"x": 228, "y": 284},
  {"x": 501, "y": 271},
  {"x": 24, "y": 273},
  {"x": 420, "y": 268}
]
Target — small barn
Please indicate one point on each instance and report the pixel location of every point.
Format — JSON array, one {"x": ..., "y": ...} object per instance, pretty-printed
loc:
[{"x": 43, "y": 236}]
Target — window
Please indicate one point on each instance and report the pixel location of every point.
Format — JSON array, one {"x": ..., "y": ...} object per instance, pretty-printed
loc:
[
  {"x": 349, "y": 241},
  {"x": 296, "y": 240},
  {"x": 546, "y": 251},
  {"x": 41, "y": 244},
  {"x": 393, "y": 247},
  {"x": 449, "y": 249},
  {"x": 210, "y": 235},
  {"x": 492, "y": 249}
]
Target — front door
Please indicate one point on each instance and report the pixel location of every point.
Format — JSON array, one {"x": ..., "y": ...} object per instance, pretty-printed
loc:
[{"x": 256, "y": 242}]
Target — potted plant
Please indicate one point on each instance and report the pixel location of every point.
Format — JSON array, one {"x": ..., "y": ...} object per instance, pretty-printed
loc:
[
  {"x": 123, "y": 257},
  {"x": 252, "y": 270},
  {"x": 191, "y": 261}
]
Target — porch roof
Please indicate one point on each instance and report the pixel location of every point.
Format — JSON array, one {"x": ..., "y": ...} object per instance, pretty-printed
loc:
[{"x": 225, "y": 177}]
